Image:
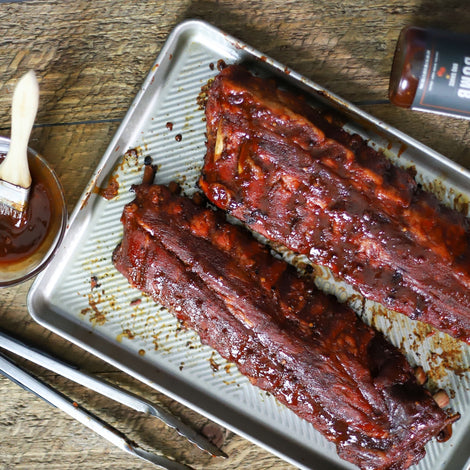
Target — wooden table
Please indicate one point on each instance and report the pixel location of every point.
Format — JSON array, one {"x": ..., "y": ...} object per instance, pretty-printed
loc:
[{"x": 91, "y": 58}]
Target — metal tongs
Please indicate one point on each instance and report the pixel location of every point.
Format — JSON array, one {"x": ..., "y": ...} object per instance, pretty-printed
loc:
[{"x": 29, "y": 382}]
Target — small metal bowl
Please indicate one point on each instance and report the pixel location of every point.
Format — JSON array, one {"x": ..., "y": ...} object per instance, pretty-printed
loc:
[{"x": 15, "y": 272}]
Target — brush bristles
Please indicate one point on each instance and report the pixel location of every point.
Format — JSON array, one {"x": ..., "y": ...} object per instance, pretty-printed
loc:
[{"x": 13, "y": 199}]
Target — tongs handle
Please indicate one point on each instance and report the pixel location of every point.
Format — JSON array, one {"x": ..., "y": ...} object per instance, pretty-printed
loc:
[
  {"x": 55, "y": 398},
  {"x": 104, "y": 388}
]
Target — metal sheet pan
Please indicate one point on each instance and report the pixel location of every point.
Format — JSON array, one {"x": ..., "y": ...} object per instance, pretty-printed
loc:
[{"x": 83, "y": 298}]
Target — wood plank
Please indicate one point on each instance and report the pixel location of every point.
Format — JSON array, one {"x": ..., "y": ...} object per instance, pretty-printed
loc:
[{"x": 91, "y": 57}]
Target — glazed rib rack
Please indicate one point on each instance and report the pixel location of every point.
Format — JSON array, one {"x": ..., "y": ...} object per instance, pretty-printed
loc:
[
  {"x": 294, "y": 176},
  {"x": 312, "y": 353}
]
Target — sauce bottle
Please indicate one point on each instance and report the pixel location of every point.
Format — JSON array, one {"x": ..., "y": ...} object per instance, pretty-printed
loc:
[{"x": 431, "y": 72}]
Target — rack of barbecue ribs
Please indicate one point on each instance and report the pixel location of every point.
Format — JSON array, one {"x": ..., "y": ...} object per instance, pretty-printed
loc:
[
  {"x": 294, "y": 176},
  {"x": 309, "y": 351}
]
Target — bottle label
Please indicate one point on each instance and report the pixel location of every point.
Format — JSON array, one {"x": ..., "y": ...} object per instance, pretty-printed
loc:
[{"x": 444, "y": 84}]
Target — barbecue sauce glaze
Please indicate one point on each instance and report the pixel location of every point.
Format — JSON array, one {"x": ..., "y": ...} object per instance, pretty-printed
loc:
[
  {"x": 291, "y": 174},
  {"x": 19, "y": 241},
  {"x": 312, "y": 353}
]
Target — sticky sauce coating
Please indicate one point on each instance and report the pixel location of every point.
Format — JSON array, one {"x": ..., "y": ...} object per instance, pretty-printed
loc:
[
  {"x": 310, "y": 352},
  {"x": 287, "y": 172}
]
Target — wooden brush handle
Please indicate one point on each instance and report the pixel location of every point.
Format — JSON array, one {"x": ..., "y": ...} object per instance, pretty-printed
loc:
[{"x": 14, "y": 168}]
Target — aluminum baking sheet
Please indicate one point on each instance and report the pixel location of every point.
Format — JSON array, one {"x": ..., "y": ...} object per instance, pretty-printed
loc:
[{"x": 83, "y": 298}]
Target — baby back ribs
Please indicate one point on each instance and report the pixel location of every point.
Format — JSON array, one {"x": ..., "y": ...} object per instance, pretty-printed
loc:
[
  {"x": 310, "y": 352},
  {"x": 290, "y": 174}
]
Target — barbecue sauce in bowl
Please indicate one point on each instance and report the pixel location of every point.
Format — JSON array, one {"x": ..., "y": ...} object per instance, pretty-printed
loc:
[
  {"x": 20, "y": 239},
  {"x": 27, "y": 245}
]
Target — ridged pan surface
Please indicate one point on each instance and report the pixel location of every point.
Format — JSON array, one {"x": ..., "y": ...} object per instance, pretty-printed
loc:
[{"x": 82, "y": 297}]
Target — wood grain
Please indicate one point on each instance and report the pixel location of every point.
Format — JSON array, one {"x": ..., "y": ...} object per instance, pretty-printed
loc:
[{"x": 91, "y": 58}]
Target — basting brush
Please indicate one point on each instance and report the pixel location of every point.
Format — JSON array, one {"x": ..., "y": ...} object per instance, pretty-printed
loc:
[{"x": 15, "y": 178}]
